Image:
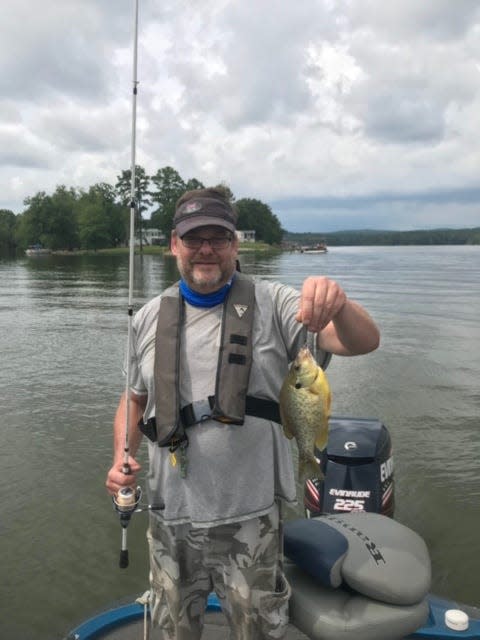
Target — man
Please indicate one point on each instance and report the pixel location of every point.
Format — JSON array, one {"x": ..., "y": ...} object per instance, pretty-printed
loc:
[{"x": 208, "y": 359}]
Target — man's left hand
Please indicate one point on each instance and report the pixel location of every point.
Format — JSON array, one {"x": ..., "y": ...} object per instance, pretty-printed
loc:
[{"x": 321, "y": 300}]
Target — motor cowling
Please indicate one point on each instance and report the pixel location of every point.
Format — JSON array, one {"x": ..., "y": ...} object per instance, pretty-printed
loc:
[{"x": 358, "y": 467}]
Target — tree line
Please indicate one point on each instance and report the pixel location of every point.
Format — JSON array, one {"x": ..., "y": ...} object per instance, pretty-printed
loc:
[
  {"x": 99, "y": 217},
  {"x": 386, "y": 238}
]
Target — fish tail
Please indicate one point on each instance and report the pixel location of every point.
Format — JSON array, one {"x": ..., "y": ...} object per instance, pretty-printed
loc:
[{"x": 309, "y": 469}]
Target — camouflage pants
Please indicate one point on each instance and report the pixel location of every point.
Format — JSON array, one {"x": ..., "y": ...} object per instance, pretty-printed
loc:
[{"x": 241, "y": 562}]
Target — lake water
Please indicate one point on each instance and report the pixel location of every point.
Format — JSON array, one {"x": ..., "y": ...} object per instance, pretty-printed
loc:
[{"x": 62, "y": 336}]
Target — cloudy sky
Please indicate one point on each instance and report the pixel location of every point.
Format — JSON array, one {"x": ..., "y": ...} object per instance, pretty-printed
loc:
[{"x": 339, "y": 114}]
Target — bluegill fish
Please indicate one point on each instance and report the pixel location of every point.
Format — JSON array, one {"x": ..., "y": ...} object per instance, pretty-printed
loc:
[{"x": 305, "y": 400}]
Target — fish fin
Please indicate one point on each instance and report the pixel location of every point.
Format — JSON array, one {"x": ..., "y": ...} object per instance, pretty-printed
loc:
[
  {"x": 322, "y": 391},
  {"x": 314, "y": 390},
  {"x": 288, "y": 434},
  {"x": 309, "y": 469},
  {"x": 321, "y": 441},
  {"x": 284, "y": 420},
  {"x": 321, "y": 438}
]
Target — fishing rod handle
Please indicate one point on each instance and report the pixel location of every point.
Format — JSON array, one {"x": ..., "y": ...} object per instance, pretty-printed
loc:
[{"x": 123, "y": 562}]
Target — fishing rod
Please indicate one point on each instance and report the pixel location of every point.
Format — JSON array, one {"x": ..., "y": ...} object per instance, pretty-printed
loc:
[{"x": 126, "y": 501}]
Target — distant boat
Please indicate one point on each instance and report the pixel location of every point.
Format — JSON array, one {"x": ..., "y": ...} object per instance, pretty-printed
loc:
[
  {"x": 37, "y": 250},
  {"x": 321, "y": 247}
]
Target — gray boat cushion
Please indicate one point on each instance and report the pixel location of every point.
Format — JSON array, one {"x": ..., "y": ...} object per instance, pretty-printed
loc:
[
  {"x": 385, "y": 561},
  {"x": 322, "y": 613},
  {"x": 321, "y": 555}
]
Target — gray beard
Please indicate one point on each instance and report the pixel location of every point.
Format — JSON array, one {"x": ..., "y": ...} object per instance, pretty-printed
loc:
[{"x": 204, "y": 285}]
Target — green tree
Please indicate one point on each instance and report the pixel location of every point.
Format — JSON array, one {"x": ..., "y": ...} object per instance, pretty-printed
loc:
[
  {"x": 32, "y": 225},
  {"x": 50, "y": 220},
  {"x": 254, "y": 214},
  {"x": 168, "y": 187},
  {"x": 93, "y": 226},
  {"x": 193, "y": 184},
  {"x": 63, "y": 227},
  {"x": 142, "y": 194},
  {"x": 142, "y": 185},
  {"x": 8, "y": 222},
  {"x": 102, "y": 221}
]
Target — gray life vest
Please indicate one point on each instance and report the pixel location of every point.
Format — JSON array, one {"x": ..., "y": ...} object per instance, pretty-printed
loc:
[{"x": 230, "y": 402}]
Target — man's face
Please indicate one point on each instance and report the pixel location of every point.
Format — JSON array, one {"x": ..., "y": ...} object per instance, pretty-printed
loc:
[{"x": 205, "y": 268}]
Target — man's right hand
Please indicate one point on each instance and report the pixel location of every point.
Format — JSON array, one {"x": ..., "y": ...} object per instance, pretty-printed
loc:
[{"x": 116, "y": 478}]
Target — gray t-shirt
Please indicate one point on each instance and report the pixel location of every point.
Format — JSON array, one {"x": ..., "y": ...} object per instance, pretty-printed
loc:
[{"x": 234, "y": 472}]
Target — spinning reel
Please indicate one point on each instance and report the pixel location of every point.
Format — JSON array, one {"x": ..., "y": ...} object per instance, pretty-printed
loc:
[{"x": 126, "y": 503}]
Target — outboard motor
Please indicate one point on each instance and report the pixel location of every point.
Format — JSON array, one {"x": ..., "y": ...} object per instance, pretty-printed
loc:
[{"x": 358, "y": 467}]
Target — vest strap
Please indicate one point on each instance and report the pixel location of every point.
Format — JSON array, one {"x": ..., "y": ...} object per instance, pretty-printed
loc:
[
  {"x": 261, "y": 408},
  {"x": 166, "y": 389},
  {"x": 202, "y": 410},
  {"x": 196, "y": 412}
]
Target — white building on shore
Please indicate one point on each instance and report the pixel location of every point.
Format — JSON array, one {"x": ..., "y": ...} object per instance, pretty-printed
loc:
[
  {"x": 150, "y": 237},
  {"x": 246, "y": 236}
]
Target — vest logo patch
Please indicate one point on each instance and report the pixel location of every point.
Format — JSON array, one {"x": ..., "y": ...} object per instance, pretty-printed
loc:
[{"x": 240, "y": 309}]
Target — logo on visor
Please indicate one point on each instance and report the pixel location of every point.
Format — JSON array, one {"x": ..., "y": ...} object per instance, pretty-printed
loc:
[{"x": 191, "y": 207}]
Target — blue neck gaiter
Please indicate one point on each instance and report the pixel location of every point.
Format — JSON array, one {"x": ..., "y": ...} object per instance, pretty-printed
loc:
[{"x": 204, "y": 299}]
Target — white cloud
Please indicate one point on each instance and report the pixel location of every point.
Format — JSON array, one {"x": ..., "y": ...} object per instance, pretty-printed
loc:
[{"x": 328, "y": 99}]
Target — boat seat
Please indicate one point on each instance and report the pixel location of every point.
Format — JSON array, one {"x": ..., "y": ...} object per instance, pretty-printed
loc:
[
  {"x": 357, "y": 575},
  {"x": 372, "y": 554},
  {"x": 323, "y": 613}
]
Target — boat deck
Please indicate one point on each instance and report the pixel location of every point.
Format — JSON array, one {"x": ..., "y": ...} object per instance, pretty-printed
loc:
[
  {"x": 126, "y": 623},
  {"x": 215, "y": 629}
]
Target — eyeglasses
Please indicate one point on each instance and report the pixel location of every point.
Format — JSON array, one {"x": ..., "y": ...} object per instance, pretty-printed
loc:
[{"x": 217, "y": 242}]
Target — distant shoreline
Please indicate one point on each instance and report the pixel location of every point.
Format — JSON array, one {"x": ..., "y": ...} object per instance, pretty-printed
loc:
[
  {"x": 160, "y": 250},
  {"x": 293, "y": 241},
  {"x": 373, "y": 237}
]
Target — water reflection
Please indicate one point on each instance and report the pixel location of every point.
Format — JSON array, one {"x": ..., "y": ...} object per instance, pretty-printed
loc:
[{"x": 62, "y": 338}]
